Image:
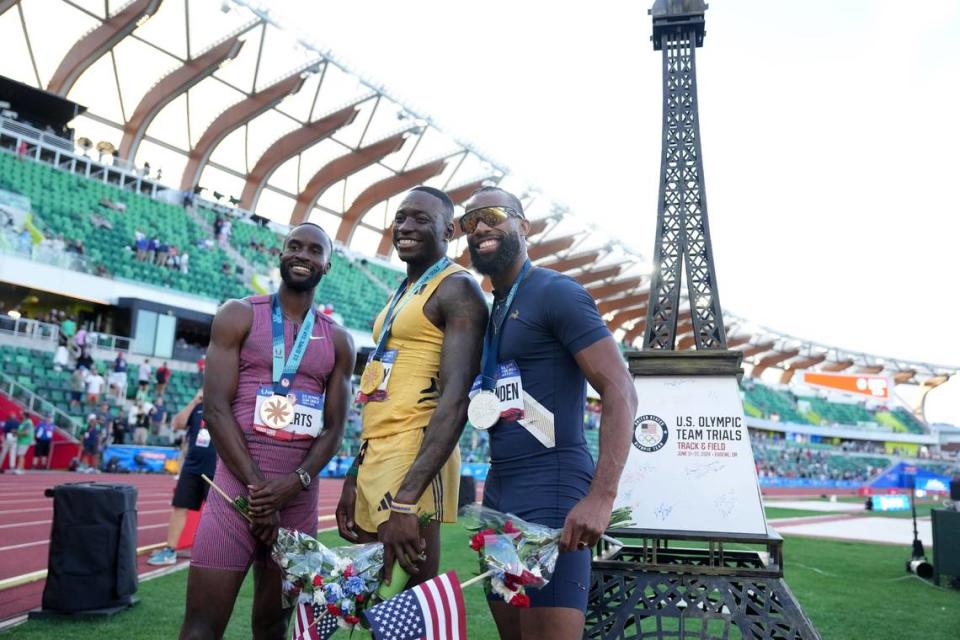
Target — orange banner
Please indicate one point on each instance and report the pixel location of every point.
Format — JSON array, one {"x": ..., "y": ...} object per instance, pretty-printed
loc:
[{"x": 864, "y": 385}]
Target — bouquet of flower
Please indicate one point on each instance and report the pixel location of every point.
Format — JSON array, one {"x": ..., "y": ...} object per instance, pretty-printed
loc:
[
  {"x": 343, "y": 579},
  {"x": 516, "y": 554}
]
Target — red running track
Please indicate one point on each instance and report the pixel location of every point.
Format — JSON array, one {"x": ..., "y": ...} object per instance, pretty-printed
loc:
[{"x": 26, "y": 517}]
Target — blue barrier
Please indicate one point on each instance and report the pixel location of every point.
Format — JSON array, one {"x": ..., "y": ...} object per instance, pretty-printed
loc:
[
  {"x": 140, "y": 459},
  {"x": 809, "y": 483}
]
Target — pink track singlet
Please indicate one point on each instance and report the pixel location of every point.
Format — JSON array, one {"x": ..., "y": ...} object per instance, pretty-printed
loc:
[{"x": 223, "y": 539}]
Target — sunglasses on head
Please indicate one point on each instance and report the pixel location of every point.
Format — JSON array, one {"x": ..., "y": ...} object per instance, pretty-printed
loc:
[{"x": 490, "y": 216}]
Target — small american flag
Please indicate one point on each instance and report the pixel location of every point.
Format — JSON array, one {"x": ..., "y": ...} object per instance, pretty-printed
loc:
[
  {"x": 303, "y": 627},
  {"x": 433, "y": 610},
  {"x": 650, "y": 428}
]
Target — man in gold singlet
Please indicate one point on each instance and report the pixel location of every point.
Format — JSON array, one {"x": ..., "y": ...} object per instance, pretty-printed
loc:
[{"x": 414, "y": 388}]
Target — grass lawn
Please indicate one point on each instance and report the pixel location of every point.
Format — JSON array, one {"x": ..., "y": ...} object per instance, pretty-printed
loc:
[
  {"x": 777, "y": 512},
  {"x": 851, "y": 591}
]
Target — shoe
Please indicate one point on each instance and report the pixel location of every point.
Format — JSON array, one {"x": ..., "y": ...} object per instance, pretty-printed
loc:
[{"x": 162, "y": 558}]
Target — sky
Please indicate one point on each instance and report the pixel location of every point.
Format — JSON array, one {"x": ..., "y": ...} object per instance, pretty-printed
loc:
[{"x": 829, "y": 135}]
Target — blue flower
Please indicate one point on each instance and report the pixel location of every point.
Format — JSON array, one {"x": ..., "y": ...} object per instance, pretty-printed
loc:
[
  {"x": 346, "y": 606},
  {"x": 354, "y": 586},
  {"x": 334, "y": 592}
]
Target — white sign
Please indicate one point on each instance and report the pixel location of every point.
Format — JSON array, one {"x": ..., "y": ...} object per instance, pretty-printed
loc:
[{"x": 690, "y": 466}]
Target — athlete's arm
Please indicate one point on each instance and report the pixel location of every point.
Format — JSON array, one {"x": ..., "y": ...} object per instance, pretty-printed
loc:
[
  {"x": 605, "y": 370},
  {"x": 463, "y": 313},
  {"x": 270, "y": 496},
  {"x": 179, "y": 421},
  {"x": 230, "y": 328}
]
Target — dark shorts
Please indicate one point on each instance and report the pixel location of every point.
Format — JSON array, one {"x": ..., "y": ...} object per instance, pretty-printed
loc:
[
  {"x": 191, "y": 491},
  {"x": 41, "y": 449},
  {"x": 76, "y": 395},
  {"x": 543, "y": 491},
  {"x": 91, "y": 450}
]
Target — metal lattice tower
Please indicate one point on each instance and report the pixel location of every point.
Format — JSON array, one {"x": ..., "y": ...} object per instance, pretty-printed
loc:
[{"x": 683, "y": 235}]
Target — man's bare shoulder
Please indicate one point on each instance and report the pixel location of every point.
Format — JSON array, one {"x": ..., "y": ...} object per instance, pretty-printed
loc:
[
  {"x": 234, "y": 316},
  {"x": 461, "y": 288}
]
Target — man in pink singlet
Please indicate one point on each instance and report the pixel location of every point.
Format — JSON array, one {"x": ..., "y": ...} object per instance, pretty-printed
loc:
[{"x": 276, "y": 392}]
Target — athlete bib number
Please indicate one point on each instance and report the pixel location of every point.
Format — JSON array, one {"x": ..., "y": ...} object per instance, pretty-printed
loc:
[
  {"x": 203, "y": 436},
  {"x": 509, "y": 391},
  {"x": 388, "y": 360},
  {"x": 299, "y": 416}
]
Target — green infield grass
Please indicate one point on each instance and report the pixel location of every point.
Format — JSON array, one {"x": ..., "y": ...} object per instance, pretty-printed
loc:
[{"x": 851, "y": 591}]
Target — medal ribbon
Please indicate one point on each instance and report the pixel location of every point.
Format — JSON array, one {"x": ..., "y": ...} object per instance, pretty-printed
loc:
[
  {"x": 394, "y": 309},
  {"x": 283, "y": 372},
  {"x": 491, "y": 339}
]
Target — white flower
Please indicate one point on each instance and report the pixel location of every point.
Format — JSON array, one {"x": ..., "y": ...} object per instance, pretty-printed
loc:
[
  {"x": 305, "y": 598},
  {"x": 501, "y": 589}
]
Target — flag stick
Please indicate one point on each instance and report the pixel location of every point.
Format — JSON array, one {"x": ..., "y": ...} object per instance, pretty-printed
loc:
[
  {"x": 476, "y": 579},
  {"x": 225, "y": 496}
]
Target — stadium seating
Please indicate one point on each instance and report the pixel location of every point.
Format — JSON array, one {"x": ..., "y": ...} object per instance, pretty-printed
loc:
[
  {"x": 788, "y": 460},
  {"x": 65, "y": 203},
  {"x": 33, "y": 369}
]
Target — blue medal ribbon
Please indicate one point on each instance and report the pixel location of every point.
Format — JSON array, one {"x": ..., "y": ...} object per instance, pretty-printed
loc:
[
  {"x": 283, "y": 372},
  {"x": 491, "y": 339},
  {"x": 394, "y": 309}
]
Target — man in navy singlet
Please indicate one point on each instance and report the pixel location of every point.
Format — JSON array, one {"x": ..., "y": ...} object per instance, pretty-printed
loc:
[{"x": 550, "y": 340}]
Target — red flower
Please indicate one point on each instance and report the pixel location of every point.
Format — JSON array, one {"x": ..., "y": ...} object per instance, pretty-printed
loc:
[
  {"x": 476, "y": 542},
  {"x": 351, "y": 619},
  {"x": 528, "y": 578},
  {"x": 509, "y": 528},
  {"x": 511, "y": 581},
  {"x": 317, "y": 581},
  {"x": 348, "y": 571},
  {"x": 521, "y": 600},
  {"x": 360, "y": 597},
  {"x": 333, "y": 610}
]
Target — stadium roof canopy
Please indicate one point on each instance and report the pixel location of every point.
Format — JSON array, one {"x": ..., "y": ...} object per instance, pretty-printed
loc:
[{"x": 220, "y": 96}]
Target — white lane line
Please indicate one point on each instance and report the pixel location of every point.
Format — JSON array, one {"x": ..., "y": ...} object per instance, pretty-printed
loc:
[
  {"x": 40, "y": 542},
  {"x": 50, "y": 507},
  {"x": 36, "y": 522}
]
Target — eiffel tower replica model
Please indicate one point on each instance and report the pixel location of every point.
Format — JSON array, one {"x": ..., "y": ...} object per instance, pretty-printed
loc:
[{"x": 657, "y": 585}]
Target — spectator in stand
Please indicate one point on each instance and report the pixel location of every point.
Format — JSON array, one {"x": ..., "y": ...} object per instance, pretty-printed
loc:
[
  {"x": 143, "y": 375},
  {"x": 91, "y": 443},
  {"x": 104, "y": 416},
  {"x": 141, "y": 246},
  {"x": 58, "y": 244},
  {"x": 10, "y": 440},
  {"x": 61, "y": 358},
  {"x": 152, "y": 245},
  {"x": 158, "y": 416},
  {"x": 163, "y": 377},
  {"x": 118, "y": 429},
  {"x": 95, "y": 383},
  {"x": 185, "y": 262},
  {"x": 24, "y": 442},
  {"x": 163, "y": 249},
  {"x": 202, "y": 365},
  {"x": 80, "y": 338},
  {"x": 173, "y": 259},
  {"x": 85, "y": 361},
  {"x": 77, "y": 385},
  {"x": 43, "y": 436},
  {"x": 118, "y": 377},
  {"x": 68, "y": 327},
  {"x": 191, "y": 490}
]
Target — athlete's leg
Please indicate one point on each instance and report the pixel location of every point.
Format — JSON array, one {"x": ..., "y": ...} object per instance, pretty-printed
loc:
[
  {"x": 177, "y": 521},
  {"x": 430, "y": 566},
  {"x": 269, "y": 618},
  {"x": 507, "y": 618},
  {"x": 211, "y": 594},
  {"x": 551, "y": 623}
]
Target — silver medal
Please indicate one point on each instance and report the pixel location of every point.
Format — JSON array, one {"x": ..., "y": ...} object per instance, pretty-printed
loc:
[{"x": 484, "y": 410}]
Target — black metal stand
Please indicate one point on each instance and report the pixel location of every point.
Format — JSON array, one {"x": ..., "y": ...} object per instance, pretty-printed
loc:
[{"x": 685, "y": 585}]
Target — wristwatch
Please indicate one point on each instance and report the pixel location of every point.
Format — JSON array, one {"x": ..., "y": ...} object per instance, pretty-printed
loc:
[{"x": 305, "y": 477}]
